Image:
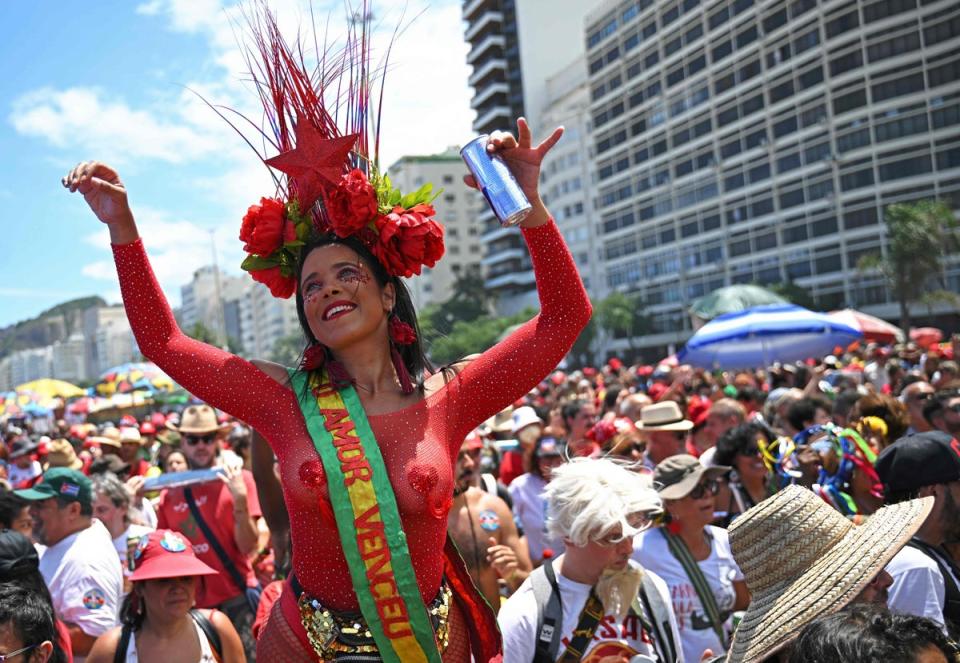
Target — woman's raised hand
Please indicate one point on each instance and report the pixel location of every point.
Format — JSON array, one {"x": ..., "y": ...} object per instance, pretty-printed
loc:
[
  {"x": 107, "y": 197},
  {"x": 521, "y": 156}
]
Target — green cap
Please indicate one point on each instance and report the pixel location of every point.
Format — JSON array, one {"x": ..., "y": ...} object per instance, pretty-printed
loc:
[{"x": 61, "y": 482}]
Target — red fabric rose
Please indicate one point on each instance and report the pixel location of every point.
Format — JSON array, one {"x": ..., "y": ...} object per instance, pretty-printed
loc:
[
  {"x": 400, "y": 332},
  {"x": 265, "y": 227},
  {"x": 352, "y": 205},
  {"x": 280, "y": 285},
  {"x": 408, "y": 240}
]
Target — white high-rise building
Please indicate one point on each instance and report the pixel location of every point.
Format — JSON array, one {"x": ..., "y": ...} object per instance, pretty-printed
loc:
[
  {"x": 31, "y": 364},
  {"x": 98, "y": 323},
  {"x": 456, "y": 211},
  {"x": 201, "y": 299},
  {"x": 740, "y": 141},
  {"x": 69, "y": 361},
  {"x": 264, "y": 320}
]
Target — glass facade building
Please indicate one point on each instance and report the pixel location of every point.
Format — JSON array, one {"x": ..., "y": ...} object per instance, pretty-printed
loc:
[{"x": 742, "y": 141}]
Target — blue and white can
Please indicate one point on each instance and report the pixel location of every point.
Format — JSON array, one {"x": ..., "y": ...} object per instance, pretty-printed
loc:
[{"x": 496, "y": 182}]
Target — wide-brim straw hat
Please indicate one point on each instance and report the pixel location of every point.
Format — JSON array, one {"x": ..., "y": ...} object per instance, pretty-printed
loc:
[
  {"x": 663, "y": 416},
  {"x": 802, "y": 559}
]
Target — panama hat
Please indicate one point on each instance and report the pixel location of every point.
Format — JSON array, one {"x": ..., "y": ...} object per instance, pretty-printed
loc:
[
  {"x": 665, "y": 415},
  {"x": 60, "y": 453},
  {"x": 198, "y": 420},
  {"x": 802, "y": 559},
  {"x": 110, "y": 437}
]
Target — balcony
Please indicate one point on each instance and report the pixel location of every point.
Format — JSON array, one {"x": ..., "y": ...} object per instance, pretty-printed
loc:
[
  {"x": 489, "y": 67},
  {"x": 473, "y": 7},
  {"x": 490, "y": 18},
  {"x": 488, "y": 42},
  {"x": 488, "y": 119},
  {"x": 502, "y": 255},
  {"x": 488, "y": 92},
  {"x": 512, "y": 279}
]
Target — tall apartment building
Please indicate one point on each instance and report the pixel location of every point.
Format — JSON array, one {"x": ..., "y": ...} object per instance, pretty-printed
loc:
[
  {"x": 200, "y": 301},
  {"x": 739, "y": 141},
  {"x": 69, "y": 360},
  {"x": 516, "y": 46},
  {"x": 456, "y": 209},
  {"x": 264, "y": 320},
  {"x": 100, "y": 325}
]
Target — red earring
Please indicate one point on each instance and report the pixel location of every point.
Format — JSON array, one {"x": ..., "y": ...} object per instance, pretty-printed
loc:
[
  {"x": 400, "y": 332},
  {"x": 313, "y": 357}
]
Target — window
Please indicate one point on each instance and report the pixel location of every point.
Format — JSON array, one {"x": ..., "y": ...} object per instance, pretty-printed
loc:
[
  {"x": 896, "y": 170},
  {"x": 672, "y": 46},
  {"x": 727, "y": 116},
  {"x": 719, "y": 17},
  {"x": 752, "y": 105},
  {"x": 773, "y": 21},
  {"x": 860, "y": 218},
  {"x": 892, "y": 47},
  {"x": 781, "y": 92},
  {"x": 944, "y": 74},
  {"x": 939, "y": 32},
  {"x": 797, "y": 233},
  {"x": 898, "y": 87},
  {"x": 723, "y": 83},
  {"x": 746, "y": 37},
  {"x": 748, "y": 71},
  {"x": 853, "y": 140},
  {"x": 785, "y": 126},
  {"x": 810, "y": 78},
  {"x": 791, "y": 198},
  {"x": 884, "y": 8},
  {"x": 842, "y": 24},
  {"x": 765, "y": 241},
  {"x": 828, "y": 264},
  {"x": 844, "y": 63},
  {"x": 849, "y": 101},
  {"x": 789, "y": 162}
]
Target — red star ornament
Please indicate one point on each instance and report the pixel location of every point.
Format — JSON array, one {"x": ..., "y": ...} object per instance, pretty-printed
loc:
[{"x": 315, "y": 163}]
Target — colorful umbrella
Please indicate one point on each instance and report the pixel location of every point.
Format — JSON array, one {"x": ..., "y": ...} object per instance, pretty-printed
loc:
[
  {"x": 133, "y": 377},
  {"x": 926, "y": 336},
  {"x": 874, "y": 329},
  {"x": 50, "y": 388},
  {"x": 763, "y": 335},
  {"x": 732, "y": 299}
]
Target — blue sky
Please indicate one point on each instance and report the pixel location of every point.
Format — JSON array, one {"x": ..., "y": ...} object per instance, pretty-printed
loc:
[{"x": 108, "y": 80}]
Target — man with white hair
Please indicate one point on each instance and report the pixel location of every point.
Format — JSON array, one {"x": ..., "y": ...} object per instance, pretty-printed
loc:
[{"x": 593, "y": 603}]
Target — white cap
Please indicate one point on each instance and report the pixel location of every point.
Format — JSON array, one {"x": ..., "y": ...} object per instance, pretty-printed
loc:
[{"x": 524, "y": 416}]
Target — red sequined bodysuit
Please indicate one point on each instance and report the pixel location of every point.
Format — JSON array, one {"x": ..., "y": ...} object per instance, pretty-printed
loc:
[{"x": 419, "y": 443}]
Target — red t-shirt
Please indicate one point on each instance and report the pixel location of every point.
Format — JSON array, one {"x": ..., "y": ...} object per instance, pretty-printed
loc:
[
  {"x": 216, "y": 506},
  {"x": 139, "y": 468},
  {"x": 511, "y": 466},
  {"x": 63, "y": 639}
]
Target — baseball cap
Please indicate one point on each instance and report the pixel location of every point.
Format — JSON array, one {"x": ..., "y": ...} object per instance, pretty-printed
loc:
[
  {"x": 60, "y": 482},
  {"x": 523, "y": 417},
  {"x": 548, "y": 447},
  {"x": 166, "y": 554},
  {"x": 677, "y": 475},
  {"x": 17, "y": 555},
  {"x": 922, "y": 459}
]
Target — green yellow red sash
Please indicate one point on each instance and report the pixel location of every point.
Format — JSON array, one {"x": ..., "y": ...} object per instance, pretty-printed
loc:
[{"x": 365, "y": 508}]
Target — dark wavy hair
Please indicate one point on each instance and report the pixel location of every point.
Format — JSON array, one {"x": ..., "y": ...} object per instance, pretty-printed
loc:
[
  {"x": 412, "y": 355},
  {"x": 739, "y": 438},
  {"x": 868, "y": 634},
  {"x": 30, "y": 616}
]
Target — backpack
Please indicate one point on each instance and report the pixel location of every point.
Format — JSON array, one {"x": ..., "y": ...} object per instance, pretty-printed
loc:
[{"x": 648, "y": 603}]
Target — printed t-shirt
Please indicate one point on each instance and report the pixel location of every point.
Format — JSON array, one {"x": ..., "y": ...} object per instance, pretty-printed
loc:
[
  {"x": 215, "y": 504},
  {"x": 85, "y": 581},
  {"x": 18, "y": 475},
  {"x": 518, "y": 624},
  {"x": 530, "y": 510},
  {"x": 122, "y": 544},
  {"x": 720, "y": 570}
]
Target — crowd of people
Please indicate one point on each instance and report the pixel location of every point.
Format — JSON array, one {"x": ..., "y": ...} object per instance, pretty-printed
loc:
[{"x": 666, "y": 512}]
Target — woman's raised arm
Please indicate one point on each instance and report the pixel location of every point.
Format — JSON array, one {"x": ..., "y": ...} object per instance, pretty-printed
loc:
[
  {"x": 511, "y": 368},
  {"x": 217, "y": 377}
]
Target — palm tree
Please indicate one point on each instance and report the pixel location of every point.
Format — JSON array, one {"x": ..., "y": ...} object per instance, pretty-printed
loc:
[{"x": 919, "y": 236}]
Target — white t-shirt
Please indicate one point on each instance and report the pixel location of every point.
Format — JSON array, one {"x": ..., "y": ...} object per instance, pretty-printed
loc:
[
  {"x": 918, "y": 587},
  {"x": 84, "y": 577},
  {"x": 518, "y": 624},
  {"x": 17, "y": 475},
  {"x": 650, "y": 549},
  {"x": 530, "y": 509}
]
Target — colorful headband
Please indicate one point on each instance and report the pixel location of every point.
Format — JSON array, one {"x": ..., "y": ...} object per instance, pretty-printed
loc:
[{"x": 331, "y": 183}]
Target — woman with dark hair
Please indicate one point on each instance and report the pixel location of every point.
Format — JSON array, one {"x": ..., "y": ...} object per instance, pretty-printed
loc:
[
  {"x": 749, "y": 482},
  {"x": 20, "y": 572},
  {"x": 386, "y": 433},
  {"x": 530, "y": 502},
  {"x": 158, "y": 616},
  {"x": 26, "y": 626},
  {"x": 868, "y": 634}
]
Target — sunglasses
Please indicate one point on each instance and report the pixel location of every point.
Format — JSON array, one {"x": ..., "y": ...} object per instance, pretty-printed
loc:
[
  {"x": 749, "y": 452},
  {"x": 7, "y": 657},
  {"x": 705, "y": 487},
  {"x": 192, "y": 440}
]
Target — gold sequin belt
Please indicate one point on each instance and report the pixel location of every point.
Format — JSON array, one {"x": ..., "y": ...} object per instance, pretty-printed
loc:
[{"x": 345, "y": 636}]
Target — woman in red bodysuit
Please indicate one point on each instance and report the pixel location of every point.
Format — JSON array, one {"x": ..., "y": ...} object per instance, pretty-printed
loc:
[{"x": 419, "y": 433}]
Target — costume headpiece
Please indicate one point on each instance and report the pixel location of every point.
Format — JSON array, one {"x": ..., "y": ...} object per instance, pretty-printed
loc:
[{"x": 322, "y": 125}]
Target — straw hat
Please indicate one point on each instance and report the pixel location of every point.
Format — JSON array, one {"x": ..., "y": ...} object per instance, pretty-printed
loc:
[
  {"x": 60, "y": 453},
  {"x": 198, "y": 420},
  {"x": 801, "y": 559},
  {"x": 110, "y": 437},
  {"x": 665, "y": 415}
]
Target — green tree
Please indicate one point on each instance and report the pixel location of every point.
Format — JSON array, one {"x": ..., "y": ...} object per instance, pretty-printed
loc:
[
  {"x": 622, "y": 316},
  {"x": 202, "y": 333},
  {"x": 919, "y": 236},
  {"x": 582, "y": 350},
  {"x": 466, "y": 338},
  {"x": 795, "y": 294},
  {"x": 286, "y": 351}
]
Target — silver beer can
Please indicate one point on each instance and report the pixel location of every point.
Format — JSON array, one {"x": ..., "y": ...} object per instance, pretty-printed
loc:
[{"x": 496, "y": 182}]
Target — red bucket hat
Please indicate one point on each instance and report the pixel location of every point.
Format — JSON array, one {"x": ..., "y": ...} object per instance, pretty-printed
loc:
[{"x": 166, "y": 554}]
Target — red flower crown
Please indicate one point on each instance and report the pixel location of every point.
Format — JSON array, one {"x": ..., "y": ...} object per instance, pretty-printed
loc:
[{"x": 320, "y": 161}]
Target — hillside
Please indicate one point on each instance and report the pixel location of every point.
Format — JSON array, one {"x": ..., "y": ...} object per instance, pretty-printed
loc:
[{"x": 54, "y": 324}]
